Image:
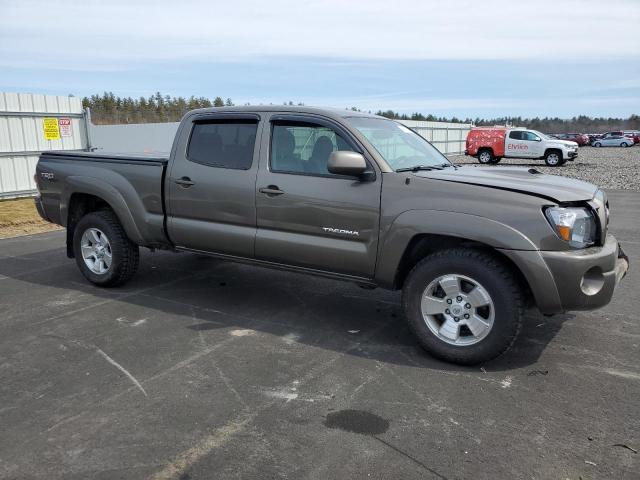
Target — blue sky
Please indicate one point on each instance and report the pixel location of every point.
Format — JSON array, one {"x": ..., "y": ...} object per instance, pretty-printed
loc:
[{"x": 460, "y": 57}]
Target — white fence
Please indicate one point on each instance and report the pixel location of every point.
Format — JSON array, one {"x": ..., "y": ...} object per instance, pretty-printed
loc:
[
  {"x": 449, "y": 138},
  {"x": 155, "y": 138},
  {"x": 31, "y": 124}
]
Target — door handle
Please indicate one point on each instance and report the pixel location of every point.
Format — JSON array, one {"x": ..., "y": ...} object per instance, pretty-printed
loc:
[
  {"x": 184, "y": 182},
  {"x": 271, "y": 190}
]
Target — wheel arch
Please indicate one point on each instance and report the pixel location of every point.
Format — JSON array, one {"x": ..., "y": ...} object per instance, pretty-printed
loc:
[
  {"x": 422, "y": 245},
  {"x": 553, "y": 149},
  {"x": 405, "y": 244},
  {"x": 87, "y": 197}
]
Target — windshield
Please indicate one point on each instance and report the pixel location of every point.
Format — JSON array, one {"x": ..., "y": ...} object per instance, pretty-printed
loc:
[{"x": 399, "y": 146}]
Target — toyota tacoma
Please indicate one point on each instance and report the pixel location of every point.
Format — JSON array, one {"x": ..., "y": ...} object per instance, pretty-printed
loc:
[{"x": 348, "y": 196}]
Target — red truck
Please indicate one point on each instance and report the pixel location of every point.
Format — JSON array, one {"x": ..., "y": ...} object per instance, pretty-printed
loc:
[{"x": 491, "y": 144}]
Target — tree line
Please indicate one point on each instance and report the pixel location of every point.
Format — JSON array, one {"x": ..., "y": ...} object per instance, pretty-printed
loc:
[
  {"x": 580, "y": 124},
  {"x": 109, "y": 109}
]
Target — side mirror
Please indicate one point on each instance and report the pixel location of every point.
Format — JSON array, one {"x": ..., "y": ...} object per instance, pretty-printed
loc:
[{"x": 343, "y": 162}]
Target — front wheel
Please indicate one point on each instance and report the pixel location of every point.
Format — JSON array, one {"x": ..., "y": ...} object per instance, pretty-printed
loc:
[
  {"x": 104, "y": 254},
  {"x": 597, "y": 144},
  {"x": 624, "y": 144},
  {"x": 553, "y": 159},
  {"x": 463, "y": 305}
]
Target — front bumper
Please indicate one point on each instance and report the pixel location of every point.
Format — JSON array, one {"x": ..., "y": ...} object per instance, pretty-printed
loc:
[
  {"x": 573, "y": 279},
  {"x": 571, "y": 154}
]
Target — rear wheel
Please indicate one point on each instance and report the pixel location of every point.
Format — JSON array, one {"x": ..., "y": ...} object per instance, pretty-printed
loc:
[
  {"x": 463, "y": 305},
  {"x": 485, "y": 156},
  {"x": 553, "y": 158},
  {"x": 103, "y": 252}
]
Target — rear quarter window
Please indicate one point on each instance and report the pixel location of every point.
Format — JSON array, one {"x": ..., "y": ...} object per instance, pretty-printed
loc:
[{"x": 223, "y": 143}]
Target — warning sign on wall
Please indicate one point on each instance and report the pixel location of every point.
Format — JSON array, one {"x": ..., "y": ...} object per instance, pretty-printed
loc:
[
  {"x": 64, "y": 125},
  {"x": 51, "y": 130}
]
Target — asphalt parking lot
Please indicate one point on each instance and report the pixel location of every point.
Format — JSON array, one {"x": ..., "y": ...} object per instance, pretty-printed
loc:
[{"x": 204, "y": 369}]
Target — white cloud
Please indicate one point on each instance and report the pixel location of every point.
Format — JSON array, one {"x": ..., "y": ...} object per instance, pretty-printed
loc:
[{"x": 109, "y": 35}]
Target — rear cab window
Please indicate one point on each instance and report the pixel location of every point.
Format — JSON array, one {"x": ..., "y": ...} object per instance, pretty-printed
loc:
[{"x": 223, "y": 143}]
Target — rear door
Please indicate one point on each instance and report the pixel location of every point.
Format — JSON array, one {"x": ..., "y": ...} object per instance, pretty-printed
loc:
[
  {"x": 210, "y": 188},
  {"x": 307, "y": 216}
]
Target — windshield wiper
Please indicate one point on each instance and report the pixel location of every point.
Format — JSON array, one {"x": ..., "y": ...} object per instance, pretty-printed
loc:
[
  {"x": 417, "y": 168},
  {"x": 448, "y": 165}
]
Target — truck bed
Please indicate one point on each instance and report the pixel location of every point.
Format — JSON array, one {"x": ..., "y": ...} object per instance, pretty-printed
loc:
[{"x": 131, "y": 184}]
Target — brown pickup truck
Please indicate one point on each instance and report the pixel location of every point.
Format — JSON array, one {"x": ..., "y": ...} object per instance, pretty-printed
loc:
[{"x": 350, "y": 196}]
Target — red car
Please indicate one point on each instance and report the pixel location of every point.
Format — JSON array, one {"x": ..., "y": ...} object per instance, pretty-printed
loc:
[
  {"x": 632, "y": 134},
  {"x": 580, "y": 138}
]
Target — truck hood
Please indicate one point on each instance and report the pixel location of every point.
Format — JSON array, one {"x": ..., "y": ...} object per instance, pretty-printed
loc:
[
  {"x": 566, "y": 143},
  {"x": 517, "y": 179}
]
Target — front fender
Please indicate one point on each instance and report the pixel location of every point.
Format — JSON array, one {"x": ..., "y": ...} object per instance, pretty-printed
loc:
[
  {"x": 125, "y": 210},
  {"x": 407, "y": 225}
]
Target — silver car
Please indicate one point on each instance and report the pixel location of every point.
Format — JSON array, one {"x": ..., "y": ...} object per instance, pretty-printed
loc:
[{"x": 613, "y": 139}]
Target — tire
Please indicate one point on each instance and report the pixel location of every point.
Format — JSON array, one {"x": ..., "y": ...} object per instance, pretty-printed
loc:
[
  {"x": 553, "y": 158},
  {"x": 563, "y": 162},
  {"x": 504, "y": 317},
  {"x": 104, "y": 254},
  {"x": 597, "y": 144},
  {"x": 485, "y": 156},
  {"x": 624, "y": 144}
]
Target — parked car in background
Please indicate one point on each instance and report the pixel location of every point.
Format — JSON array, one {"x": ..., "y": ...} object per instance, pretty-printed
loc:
[
  {"x": 593, "y": 137},
  {"x": 632, "y": 134},
  {"x": 613, "y": 139},
  {"x": 579, "y": 138},
  {"x": 490, "y": 144}
]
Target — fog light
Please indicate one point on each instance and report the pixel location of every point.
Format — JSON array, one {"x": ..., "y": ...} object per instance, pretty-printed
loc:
[{"x": 592, "y": 281}]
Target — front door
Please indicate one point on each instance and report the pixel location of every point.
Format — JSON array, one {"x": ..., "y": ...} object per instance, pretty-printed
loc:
[
  {"x": 523, "y": 144},
  {"x": 307, "y": 216},
  {"x": 211, "y": 185},
  {"x": 533, "y": 143}
]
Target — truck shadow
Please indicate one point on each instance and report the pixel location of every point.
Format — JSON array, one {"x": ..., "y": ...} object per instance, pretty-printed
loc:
[{"x": 205, "y": 294}]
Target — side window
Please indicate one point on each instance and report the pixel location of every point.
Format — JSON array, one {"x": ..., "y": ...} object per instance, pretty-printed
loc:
[
  {"x": 303, "y": 147},
  {"x": 532, "y": 137},
  {"x": 223, "y": 143},
  {"x": 515, "y": 135}
]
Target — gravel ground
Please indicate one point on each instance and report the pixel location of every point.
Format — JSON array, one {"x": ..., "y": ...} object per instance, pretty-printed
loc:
[{"x": 611, "y": 168}]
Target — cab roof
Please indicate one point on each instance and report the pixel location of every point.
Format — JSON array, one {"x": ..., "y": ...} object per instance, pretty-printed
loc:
[{"x": 327, "y": 112}]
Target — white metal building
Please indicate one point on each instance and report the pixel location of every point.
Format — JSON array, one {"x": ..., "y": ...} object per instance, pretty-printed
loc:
[{"x": 30, "y": 124}]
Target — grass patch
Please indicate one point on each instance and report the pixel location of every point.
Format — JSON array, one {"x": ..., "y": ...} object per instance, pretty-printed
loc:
[{"x": 20, "y": 217}]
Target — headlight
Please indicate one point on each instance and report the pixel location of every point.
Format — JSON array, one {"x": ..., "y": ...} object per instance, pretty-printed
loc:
[{"x": 575, "y": 225}]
